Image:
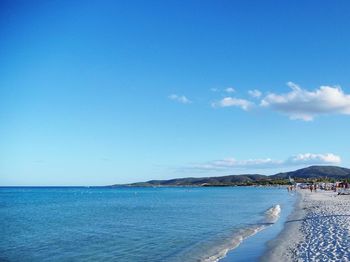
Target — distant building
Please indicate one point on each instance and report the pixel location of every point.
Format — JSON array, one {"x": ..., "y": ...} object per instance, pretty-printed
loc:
[{"x": 291, "y": 180}]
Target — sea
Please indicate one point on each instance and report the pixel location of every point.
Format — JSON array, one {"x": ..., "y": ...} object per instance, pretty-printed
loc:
[{"x": 175, "y": 224}]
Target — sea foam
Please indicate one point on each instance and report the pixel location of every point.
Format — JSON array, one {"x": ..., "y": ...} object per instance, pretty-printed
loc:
[{"x": 271, "y": 216}]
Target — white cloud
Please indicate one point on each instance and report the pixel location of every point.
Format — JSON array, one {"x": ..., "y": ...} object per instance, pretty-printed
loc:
[
  {"x": 230, "y": 90},
  {"x": 266, "y": 163},
  {"x": 306, "y": 105},
  {"x": 255, "y": 93},
  {"x": 180, "y": 98},
  {"x": 231, "y": 101},
  {"x": 313, "y": 159},
  {"x": 233, "y": 163}
]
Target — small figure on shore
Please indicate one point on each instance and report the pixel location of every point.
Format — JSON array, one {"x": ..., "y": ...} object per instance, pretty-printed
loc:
[
  {"x": 334, "y": 188},
  {"x": 290, "y": 188},
  {"x": 311, "y": 188},
  {"x": 315, "y": 188}
]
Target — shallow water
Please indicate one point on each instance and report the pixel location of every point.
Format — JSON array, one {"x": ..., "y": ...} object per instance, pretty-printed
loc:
[{"x": 134, "y": 224}]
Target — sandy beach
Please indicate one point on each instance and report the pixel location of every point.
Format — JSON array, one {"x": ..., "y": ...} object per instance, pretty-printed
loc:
[{"x": 317, "y": 230}]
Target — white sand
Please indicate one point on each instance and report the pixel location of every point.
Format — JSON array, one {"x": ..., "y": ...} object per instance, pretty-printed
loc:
[{"x": 318, "y": 230}]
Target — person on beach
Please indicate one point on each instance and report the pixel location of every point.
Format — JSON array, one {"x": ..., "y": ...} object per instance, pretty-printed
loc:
[{"x": 311, "y": 188}]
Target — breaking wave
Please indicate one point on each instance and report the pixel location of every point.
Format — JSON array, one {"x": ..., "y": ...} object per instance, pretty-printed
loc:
[{"x": 271, "y": 217}]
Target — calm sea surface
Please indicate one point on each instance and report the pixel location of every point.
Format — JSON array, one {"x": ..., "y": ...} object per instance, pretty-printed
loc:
[{"x": 138, "y": 224}]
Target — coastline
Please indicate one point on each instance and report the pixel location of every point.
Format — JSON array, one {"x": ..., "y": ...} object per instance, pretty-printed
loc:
[
  {"x": 283, "y": 247},
  {"x": 317, "y": 229},
  {"x": 254, "y": 246}
]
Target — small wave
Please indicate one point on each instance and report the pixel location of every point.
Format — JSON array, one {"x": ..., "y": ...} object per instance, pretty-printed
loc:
[
  {"x": 272, "y": 214},
  {"x": 235, "y": 242},
  {"x": 271, "y": 217}
]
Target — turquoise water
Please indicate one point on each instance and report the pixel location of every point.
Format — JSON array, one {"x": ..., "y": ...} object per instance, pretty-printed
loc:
[{"x": 136, "y": 224}]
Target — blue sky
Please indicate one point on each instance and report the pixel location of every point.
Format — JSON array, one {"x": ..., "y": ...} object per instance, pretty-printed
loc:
[{"x": 104, "y": 92}]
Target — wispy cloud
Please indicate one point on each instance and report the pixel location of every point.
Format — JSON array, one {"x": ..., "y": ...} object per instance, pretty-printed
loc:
[
  {"x": 180, "y": 99},
  {"x": 306, "y": 105},
  {"x": 230, "y": 90},
  {"x": 255, "y": 93},
  {"x": 267, "y": 163},
  {"x": 232, "y": 101}
]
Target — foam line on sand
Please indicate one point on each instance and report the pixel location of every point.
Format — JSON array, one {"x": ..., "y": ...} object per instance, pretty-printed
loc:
[{"x": 317, "y": 230}]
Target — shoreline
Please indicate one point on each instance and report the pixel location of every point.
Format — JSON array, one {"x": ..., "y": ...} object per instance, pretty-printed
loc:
[
  {"x": 254, "y": 246},
  {"x": 317, "y": 229},
  {"x": 281, "y": 246}
]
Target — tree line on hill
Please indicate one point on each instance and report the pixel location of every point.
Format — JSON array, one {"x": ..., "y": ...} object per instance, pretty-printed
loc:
[{"x": 308, "y": 174}]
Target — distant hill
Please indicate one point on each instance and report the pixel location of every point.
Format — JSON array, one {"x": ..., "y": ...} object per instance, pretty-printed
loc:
[
  {"x": 204, "y": 181},
  {"x": 334, "y": 172},
  {"x": 312, "y": 172}
]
